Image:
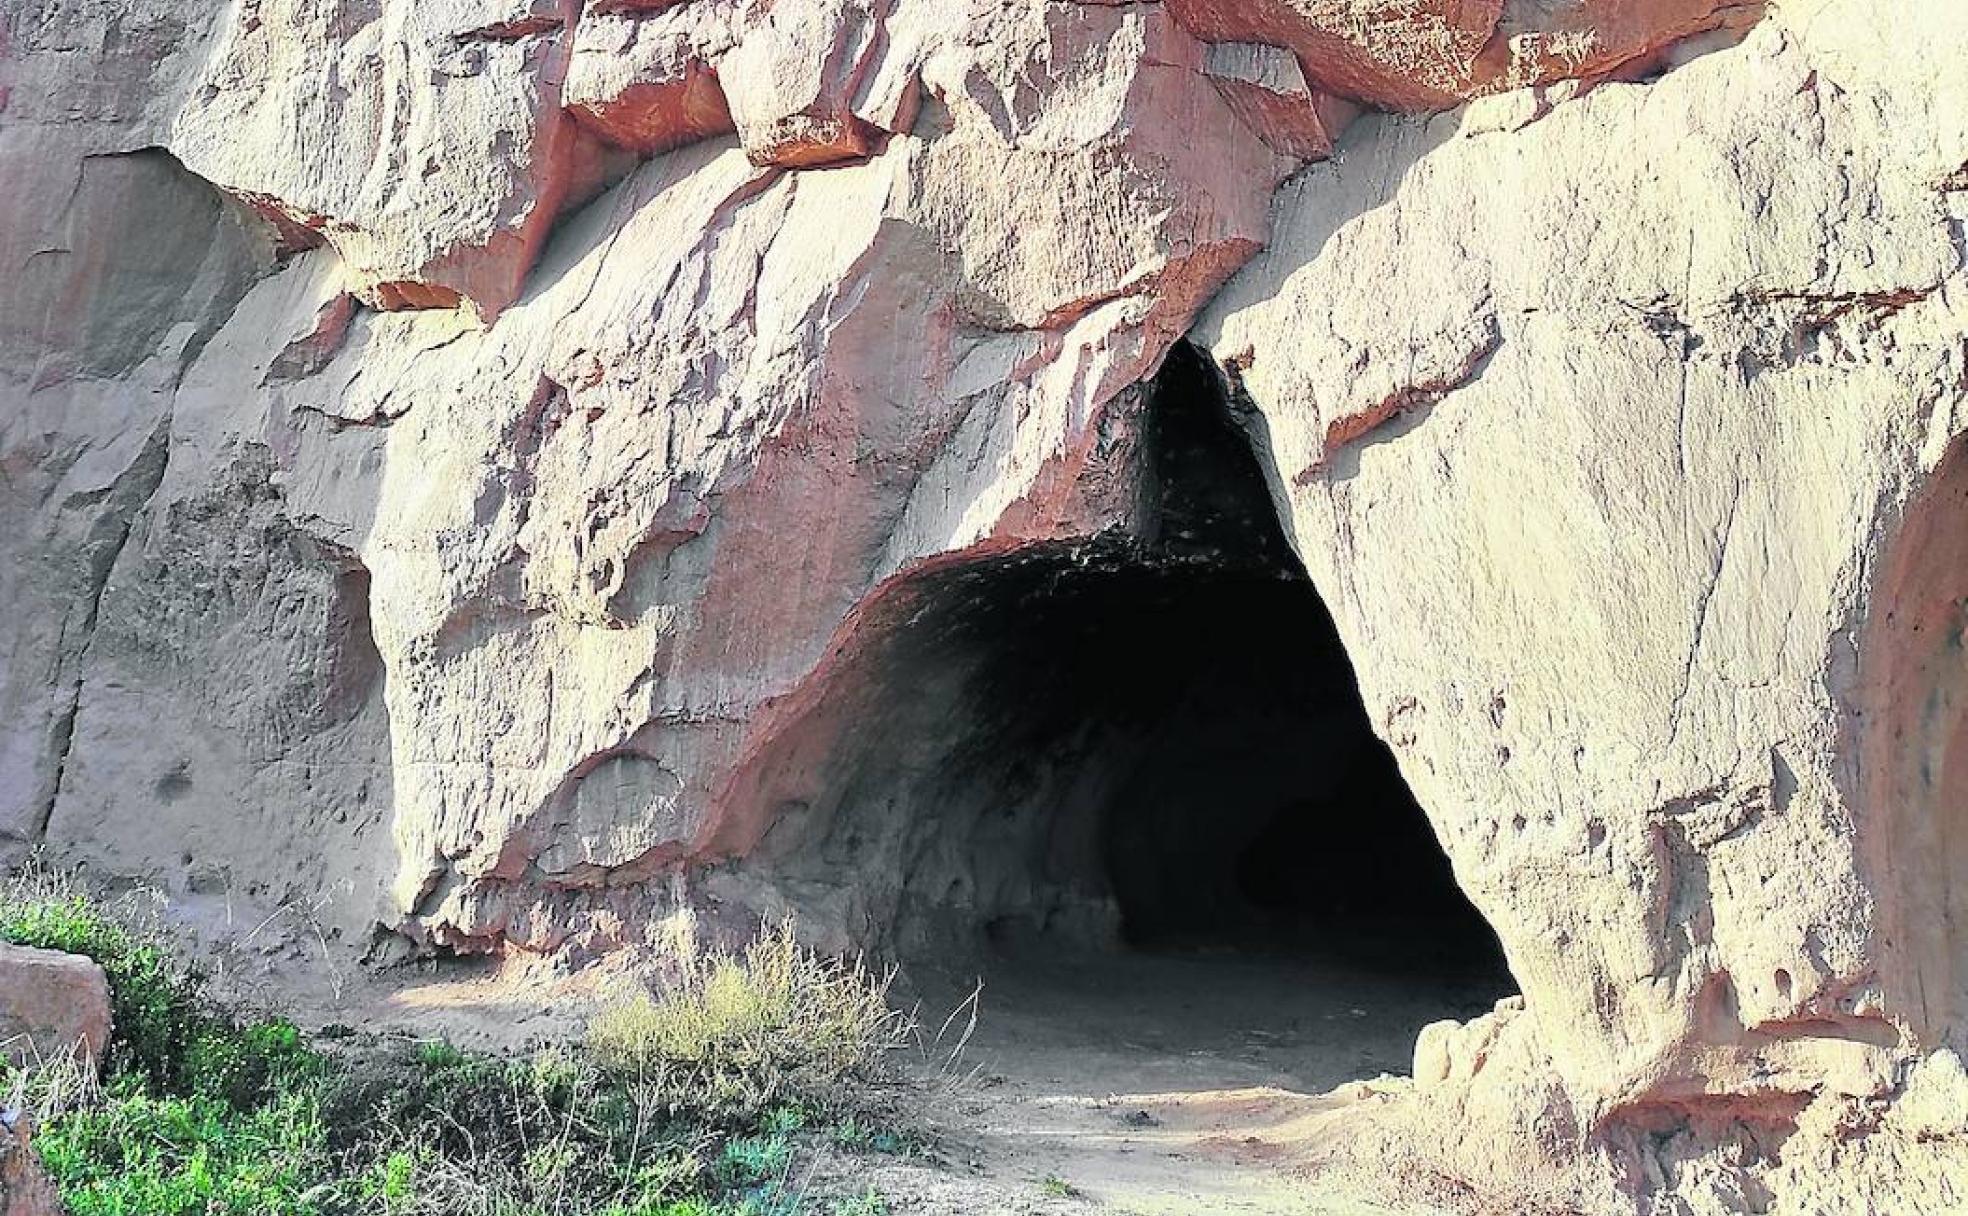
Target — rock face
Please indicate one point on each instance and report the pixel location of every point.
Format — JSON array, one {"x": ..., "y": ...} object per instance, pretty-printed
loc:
[
  {"x": 52, "y": 1006},
  {"x": 1678, "y": 770},
  {"x": 24, "y": 1189},
  {"x": 465, "y": 463}
]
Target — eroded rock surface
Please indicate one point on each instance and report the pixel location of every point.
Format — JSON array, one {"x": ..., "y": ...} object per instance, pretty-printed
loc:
[
  {"x": 459, "y": 459},
  {"x": 1400, "y": 55},
  {"x": 24, "y": 1188},
  {"x": 1635, "y": 426},
  {"x": 1678, "y": 791}
]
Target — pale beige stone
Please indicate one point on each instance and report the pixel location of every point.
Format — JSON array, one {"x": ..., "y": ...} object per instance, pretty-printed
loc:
[
  {"x": 794, "y": 77},
  {"x": 444, "y": 553},
  {"x": 646, "y": 78},
  {"x": 1631, "y": 653},
  {"x": 118, "y": 267},
  {"x": 526, "y": 554},
  {"x": 1649, "y": 611},
  {"x": 423, "y": 141}
]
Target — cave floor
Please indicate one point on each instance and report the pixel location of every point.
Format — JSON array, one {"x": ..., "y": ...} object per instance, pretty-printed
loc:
[{"x": 1174, "y": 1081}]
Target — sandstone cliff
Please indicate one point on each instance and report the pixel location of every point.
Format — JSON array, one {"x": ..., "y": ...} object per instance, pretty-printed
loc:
[{"x": 461, "y": 461}]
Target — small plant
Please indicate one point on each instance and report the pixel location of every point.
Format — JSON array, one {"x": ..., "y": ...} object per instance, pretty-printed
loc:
[
  {"x": 670, "y": 1177},
  {"x": 1058, "y": 1188},
  {"x": 439, "y": 1055},
  {"x": 784, "y": 1120},
  {"x": 748, "y": 1161},
  {"x": 867, "y": 1203},
  {"x": 853, "y": 1134},
  {"x": 740, "y": 1034},
  {"x": 393, "y": 1182},
  {"x": 859, "y": 1135}
]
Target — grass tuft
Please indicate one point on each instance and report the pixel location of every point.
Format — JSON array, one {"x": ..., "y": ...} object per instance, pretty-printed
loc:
[{"x": 742, "y": 1034}]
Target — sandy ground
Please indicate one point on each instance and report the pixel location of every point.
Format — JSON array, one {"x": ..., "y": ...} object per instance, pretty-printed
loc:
[
  {"x": 1177, "y": 1083},
  {"x": 1169, "y": 1083}
]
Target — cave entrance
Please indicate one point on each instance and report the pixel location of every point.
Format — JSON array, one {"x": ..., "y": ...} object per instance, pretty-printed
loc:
[{"x": 1140, "y": 771}]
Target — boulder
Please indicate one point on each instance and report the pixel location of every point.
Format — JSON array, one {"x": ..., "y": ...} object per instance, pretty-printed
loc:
[{"x": 52, "y": 1006}]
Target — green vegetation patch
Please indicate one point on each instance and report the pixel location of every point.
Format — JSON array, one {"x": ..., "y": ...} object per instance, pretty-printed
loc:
[
  {"x": 158, "y": 1008},
  {"x": 135, "y": 1153},
  {"x": 692, "y": 1104}
]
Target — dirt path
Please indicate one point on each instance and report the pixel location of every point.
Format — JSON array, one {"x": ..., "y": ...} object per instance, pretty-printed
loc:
[{"x": 1178, "y": 1084}]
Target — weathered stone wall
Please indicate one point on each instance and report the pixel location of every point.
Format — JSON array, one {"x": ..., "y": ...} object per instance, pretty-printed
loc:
[
  {"x": 1609, "y": 517},
  {"x": 446, "y": 450}
]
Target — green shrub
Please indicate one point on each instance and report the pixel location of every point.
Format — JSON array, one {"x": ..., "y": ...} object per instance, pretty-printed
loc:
[
  {"x": 439, "y": 1055},
  {"x": 748, "y": 1161},
  {"x": 137, "y": 1155},
  {"x": 200, "y": 1115},
  {"x": 246, "y": 1065},
  {"x": 157, "y": 1008}
]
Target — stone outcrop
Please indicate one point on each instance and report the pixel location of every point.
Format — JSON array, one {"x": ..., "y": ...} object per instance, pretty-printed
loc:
[
  {"x": 1704, "y": 816},
  {"x": 53, "y": 1006},
  {"x": 461, "y": 459},
  {"x": 1394, "y": 54}
]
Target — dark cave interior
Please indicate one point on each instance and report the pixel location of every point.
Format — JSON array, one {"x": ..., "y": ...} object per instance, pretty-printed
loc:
[{"x": 1146, "y": 743}]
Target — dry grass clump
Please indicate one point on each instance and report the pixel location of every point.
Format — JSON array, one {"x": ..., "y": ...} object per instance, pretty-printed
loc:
[{"x": 739, "y": 1033}]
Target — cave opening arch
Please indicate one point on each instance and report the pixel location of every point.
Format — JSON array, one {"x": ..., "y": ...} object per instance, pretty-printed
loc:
[{"x": 1145, "y": 745}]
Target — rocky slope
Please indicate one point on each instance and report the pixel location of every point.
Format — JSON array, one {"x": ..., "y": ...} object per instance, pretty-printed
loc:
[{"x": 461, "y": 458}]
